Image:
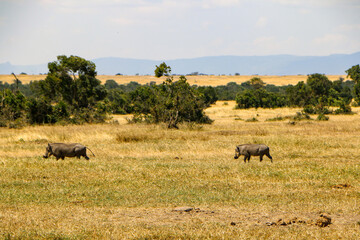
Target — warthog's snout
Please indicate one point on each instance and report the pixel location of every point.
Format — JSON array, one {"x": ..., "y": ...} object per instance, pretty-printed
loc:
[
  {"x": 236, "y": 157},
  {"x": 45, "y": 156}
]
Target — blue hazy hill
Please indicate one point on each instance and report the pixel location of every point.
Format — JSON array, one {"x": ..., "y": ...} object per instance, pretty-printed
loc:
[{"x": 244, "y": 65}]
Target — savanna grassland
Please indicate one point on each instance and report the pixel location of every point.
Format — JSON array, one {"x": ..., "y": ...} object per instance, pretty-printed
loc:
[
  {"x": 142, "y": 173},
  {"x": 201, "y": 80}
]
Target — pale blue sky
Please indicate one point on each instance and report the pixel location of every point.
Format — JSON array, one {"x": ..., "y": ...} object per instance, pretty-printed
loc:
[{"x": 36, "y": 31}]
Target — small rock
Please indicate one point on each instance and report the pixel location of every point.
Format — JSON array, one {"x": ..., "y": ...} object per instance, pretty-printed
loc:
[
  {"x": 232, "y": 223},
  {"x": 323, "y": 220},
  {"x": 281, "y": 222},
  {"x": 341, "y": 186},
  {"x": 270, "y": 223}
]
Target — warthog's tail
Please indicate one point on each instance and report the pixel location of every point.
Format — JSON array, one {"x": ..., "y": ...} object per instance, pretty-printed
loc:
[{"x": 91, "y": 151}]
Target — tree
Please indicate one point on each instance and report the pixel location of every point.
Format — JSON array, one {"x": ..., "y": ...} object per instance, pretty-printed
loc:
[
  {"x": 259, "y": 98},
  {"x": 319, "y": 84},
  {"x": 40, "y": 111},
  {"x": 162, "y": 70},
  {"x": 182, "y": 103},
  {"x": 209, "y": 94},
  {"x": 12, "y": 105},
  {"x": 354, "y": 74},
  {"x": 73, "y": 79},
  {"x": 257, "y": 83},
  {"x": 119, "y": 102},
  {"x": 299, "y": 95},
  {"x": 171, "y": 102},
  {"x": 111, "y": 84}
]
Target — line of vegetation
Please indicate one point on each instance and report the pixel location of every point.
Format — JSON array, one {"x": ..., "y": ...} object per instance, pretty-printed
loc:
[{"x": 71, "y": 94}]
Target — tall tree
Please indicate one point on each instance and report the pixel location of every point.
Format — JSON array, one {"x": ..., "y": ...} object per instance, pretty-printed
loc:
[
  {"x": 319, "y": 84},
  {"x": 171, "y": 102},
  {"x": 256, "y": 83},
  {"x": 73, "y": 79},
  {"x": 354, "y": 74},
  {"x": 162, "y": 70}
]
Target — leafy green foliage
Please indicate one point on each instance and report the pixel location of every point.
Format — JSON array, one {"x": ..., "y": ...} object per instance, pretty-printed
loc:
[
  {"x": 319, "y": 85},
  {"x": 73, "y": 80},
  {"x": 72, "y": 85},
  {"x": 171, "y": 102},
  {"x": 256, "y": 83},
  {"x": 72, "y": 94},
  {"x": 322, "y": 117},
  {"x": 354, "y": 73},
  {"x": 209, "y": 94},
  {"x": 259, "y": 98},
  {"x": 299, "y": 95},
  {"x": 119, "y": 101},
  {"x": 230, "y": 90},
  {"x": 12, "y": 106},
  {"x": 162, "y": 70},
  {"x": 40, "y": 111}
]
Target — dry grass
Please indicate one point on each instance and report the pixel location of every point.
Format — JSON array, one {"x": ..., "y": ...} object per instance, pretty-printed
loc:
[
  {"x": 142, "y": 172},
  {"x": 211, "y": 80}
]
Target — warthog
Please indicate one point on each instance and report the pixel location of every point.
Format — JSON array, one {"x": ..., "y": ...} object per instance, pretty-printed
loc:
[
  {"x": 62, "y": 150},
  {"x": 249, "y": 150}
]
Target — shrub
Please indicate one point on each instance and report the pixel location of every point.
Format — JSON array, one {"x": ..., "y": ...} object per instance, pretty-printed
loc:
[
  {"x": 40, "y": 111},
  {"x": 322, "y": 117},
  {"x": 277, "y": 118},
  {"x": 318, "y": 109},
  {"x": 259, "y": 98},
  {"x": 171, "y": 102},
  {"x": 343, "y": 109},
  {"x": 299, "y": 116},
  {"x": 252, "y": 120}
]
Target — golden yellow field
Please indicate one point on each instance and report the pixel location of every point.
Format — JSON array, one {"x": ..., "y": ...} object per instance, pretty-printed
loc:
[
  {"x": 210, "y": 80},
  {"x": 142, "y": 173}
]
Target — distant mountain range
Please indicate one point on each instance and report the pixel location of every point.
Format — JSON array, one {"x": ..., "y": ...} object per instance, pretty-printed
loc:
[{"x": 244, "y": 65}]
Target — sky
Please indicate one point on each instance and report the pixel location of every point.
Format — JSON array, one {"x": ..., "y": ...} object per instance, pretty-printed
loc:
[{"x": 37, "y": 31}]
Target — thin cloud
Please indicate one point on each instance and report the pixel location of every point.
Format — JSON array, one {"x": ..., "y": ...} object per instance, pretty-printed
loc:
[
  {"x": 317, "y": 3},
  {"x": 349, "y": 27},
  {"x": 261, "y": 22},
  {"x": 123, "y": 21},
  {"x": 220, "y": 3},
  {"x": 330, "y": 39}
]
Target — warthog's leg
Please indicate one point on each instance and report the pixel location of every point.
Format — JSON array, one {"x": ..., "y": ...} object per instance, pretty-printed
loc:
[
  {"x": 86, "y": 157},
  {"x": 261, "y": 157},
  {"x": 62, "y": 158},
  {"x": 247, "y": 156},
  {"x": 268, "y": 155}
]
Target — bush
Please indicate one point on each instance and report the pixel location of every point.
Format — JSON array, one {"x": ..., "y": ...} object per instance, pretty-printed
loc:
[
  {"x": 252, "y": 120},
  {"x": 170, "y": 102},
  {"x": 13, "y": 105},
  {"x": 40, "y": 111},
  {"x": 300, "y": 116},
  {"x": 318, "y": 109},
  {"x": 259, "y": 98},
  {"x": 278, "y": 118},
  {"x": 322, "y": 117},
  {"x": 343, "y": 109}
]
